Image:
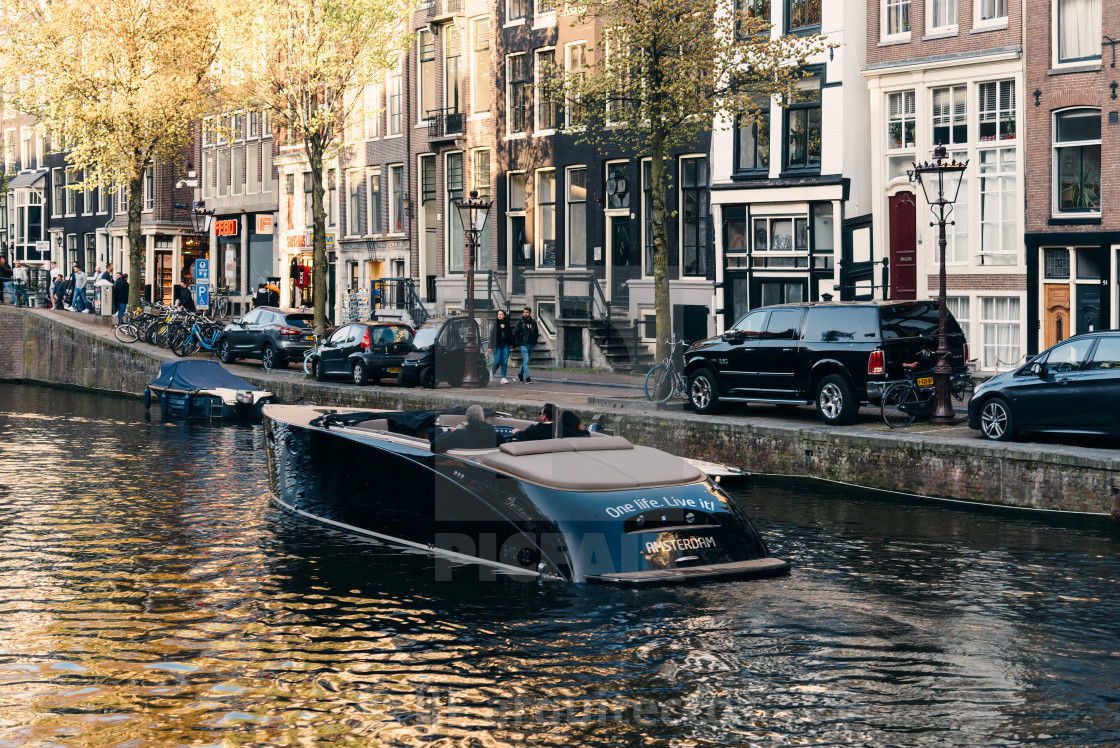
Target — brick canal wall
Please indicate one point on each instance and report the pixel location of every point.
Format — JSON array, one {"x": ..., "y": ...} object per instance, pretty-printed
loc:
[{"x": 36, "y": 348}]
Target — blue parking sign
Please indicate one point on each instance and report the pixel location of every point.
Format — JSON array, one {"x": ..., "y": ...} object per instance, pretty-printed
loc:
[{"x": 201, "y": 295}]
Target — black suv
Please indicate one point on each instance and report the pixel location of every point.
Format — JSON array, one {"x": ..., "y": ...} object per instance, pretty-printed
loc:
[
  {"x": 834, "y": 354},
  {"x": 364, "y": 351},
  {"x": 275, "y": 336}
]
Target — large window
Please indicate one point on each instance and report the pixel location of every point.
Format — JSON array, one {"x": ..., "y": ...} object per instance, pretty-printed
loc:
[
  {"x": 150, "y": 189},
  {"x": 999, "y": 327},
  {"x": 455, "y": 193},
  {"x": 950, "y": 115},
  {"x": 354, "y": 204},
  {"x": 752, "y": 140},
  {"x": 997, "y": 110},
  {"x": 575, "y": 65},
  {"x": 516, "y": 80},
  {"x": 942, "y": 14},
  {"x": 957, "y": 251},
  {"x": 803, "y": 15},
  {"x": 1079, "y": 30},
  {"x": 396, "y": 204},
  {"x": 58, "y": 183},
  {"x": 308, "y": 208},
  {"x": 997, "y": 200},
  {"x": 516, "y": 9},
  {"x": 898, "y": 17},
  {"x": 803, "y": 126},
  {"x": 990, "y": 10},
  {"x": 394, "y": 94},
  {"x": 375, "y": 202},
  {"x": 1077, "y": 161},
  {"x": 900, "y": 120},
  {"x": 427, "y": 78},
  {"x": 545, "y": 107},
  {"x": 757, "y": 10},
  {"x": 546, "y": 217},
  {"x": 332, "y": 197},
  {"x": 577, "y": 216},
  {"x": 452, "y": 48},
  {"x": 480, "y": 182},
  {"x": 480, "y": 67},
  {"x": 694, "y": 216}
]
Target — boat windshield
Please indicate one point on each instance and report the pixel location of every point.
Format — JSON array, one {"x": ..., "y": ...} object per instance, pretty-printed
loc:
[{"x": 425, "y": 337}]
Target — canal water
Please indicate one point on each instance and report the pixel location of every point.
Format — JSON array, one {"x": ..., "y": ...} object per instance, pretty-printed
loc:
[{"x": 150, "y": 595}]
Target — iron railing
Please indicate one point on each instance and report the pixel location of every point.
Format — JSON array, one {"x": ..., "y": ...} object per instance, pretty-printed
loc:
[
  {"x": 580, "y": 296},
  {"x": 400, "y": 294},
  {"x": 443, "y": 123}
]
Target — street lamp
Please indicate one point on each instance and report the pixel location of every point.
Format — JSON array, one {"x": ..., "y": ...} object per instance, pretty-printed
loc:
[
  {"x": 201, "y": 218},
  {"x": 473, "y": 213},
  {"x": 940, "y": 181}
]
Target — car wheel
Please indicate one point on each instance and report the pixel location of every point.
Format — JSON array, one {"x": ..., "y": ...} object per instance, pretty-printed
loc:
[
  {"x": 996, "y": 422},
  {"x": 268, "y": 357},
  {"x": 400, "y": 379},
  {"x": 361, "y": 376},
  {"x": 317, "y": 370},
  {"x": 428, "y": 377},
  {"x": 836, "y": 403},
  {"x": 483, "y": 376},
  {"x": 225, "y": 352},
  {"x": 703, "y": 391}
]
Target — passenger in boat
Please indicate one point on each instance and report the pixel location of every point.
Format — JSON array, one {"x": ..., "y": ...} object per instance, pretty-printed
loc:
[
  {"x": 542, "y": 429},
  {"x": 570, "y": 425},
  {"x": 476, "y": 434}
]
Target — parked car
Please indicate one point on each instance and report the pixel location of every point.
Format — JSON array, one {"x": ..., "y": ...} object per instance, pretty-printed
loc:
[
  {"x": 1070, "y": 388},
  {"x": 274, "y": 335},
  {"x": 832, "y": 354},
  {"x": 439, "y": 354},
  {"x": 364, "y": 351}
]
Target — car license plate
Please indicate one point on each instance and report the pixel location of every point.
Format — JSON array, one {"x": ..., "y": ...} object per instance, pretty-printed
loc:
[
  {"x": 925, "y": 381},
  {"x": 309, "y": 337},
  {"x": 393, "y": 370}
]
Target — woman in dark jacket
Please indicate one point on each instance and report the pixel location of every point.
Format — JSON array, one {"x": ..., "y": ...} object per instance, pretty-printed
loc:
[{"x": 501, "y": 338}]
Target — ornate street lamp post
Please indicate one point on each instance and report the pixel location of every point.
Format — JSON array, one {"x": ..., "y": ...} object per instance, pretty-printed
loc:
[
  {"x": 201, "y": 218},
  {"x": 940, "y": 181},
  {"x": 473, "y": 213}
]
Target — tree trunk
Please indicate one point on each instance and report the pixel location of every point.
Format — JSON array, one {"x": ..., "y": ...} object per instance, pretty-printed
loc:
[
  {"x": 319, "y": 241},
  {"x": 658, "y": 180},
  {"x": 136, "y": 248}
]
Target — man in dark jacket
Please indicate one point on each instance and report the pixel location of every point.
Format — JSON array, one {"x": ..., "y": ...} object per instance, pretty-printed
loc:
[
  {"x": 5, "y": 277},
  {"x": 525, "y": 337},
  {"x": 542, "y": 429},
  {"x": 477, "y": 434},
  {"x": 120, "y": 296}
]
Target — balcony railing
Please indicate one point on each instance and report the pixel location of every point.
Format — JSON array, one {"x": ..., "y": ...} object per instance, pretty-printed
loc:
[
  {"x": 444, "y": 8},
  {"x": 444, "y": 123}
]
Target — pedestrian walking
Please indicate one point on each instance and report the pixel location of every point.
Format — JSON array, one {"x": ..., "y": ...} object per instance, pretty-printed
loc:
[
  {"x": 5, "y": 277},
  {"x": 107, "y": 275},
  {"x": 19, "y": 279},
  {"x": 501, "y": 338},
  {"x": 120, "y": 296},
  {"x": 55, "y": 274},
  {"x": 58, "y": 292},
  {"x": 525, "y": 337},
  {"x": 79, "y": 279}
]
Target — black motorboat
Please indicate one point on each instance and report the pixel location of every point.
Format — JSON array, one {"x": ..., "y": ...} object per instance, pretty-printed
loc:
[
  {"x": 203, "y": 389},
  {"x": 590, "y": 509}
]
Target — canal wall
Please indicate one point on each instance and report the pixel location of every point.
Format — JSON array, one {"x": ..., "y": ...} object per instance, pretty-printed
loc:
[{"x": 36, "y": 347}]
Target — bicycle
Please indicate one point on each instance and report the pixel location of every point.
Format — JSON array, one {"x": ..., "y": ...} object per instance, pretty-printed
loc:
[
  {"x": 202, "y": 333},
  {"x": 903, "y": 402},
  {"x": 665, "y": 380}
]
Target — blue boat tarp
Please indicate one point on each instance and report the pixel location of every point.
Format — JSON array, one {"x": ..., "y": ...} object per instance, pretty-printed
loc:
[{"x": 191, "y": 376}]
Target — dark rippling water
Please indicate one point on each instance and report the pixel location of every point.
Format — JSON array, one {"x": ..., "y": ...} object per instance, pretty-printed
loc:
[{"x": 150, "y": 595}]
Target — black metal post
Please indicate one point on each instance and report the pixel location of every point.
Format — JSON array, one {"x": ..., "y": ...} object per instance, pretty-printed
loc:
[
  {"x": 942, "y": 371},
  {"x": 470, "y": 350}
]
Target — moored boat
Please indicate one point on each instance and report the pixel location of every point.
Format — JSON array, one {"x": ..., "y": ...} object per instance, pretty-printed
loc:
[
  {"x": 591, "y": 509},
  {"x": 203, "y": 389}
]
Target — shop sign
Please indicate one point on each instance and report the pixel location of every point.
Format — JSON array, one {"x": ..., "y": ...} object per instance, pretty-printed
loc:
[
  {"x": 226, "y": 228},
  {"x": 304, "y": 241},
  {"x": 264, "y": 224}
]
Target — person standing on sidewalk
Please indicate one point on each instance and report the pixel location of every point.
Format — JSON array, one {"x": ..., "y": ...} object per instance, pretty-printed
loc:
[
  {"x": 525, "y": 337},
  {"x": 501, "y": 338},
  {"x": 120, "y": 296},
  {"x": 55, "y": 276},
  {"x": 80, "y": 303},
  {"x": 19, "y": 277},
  {"x": 5, "y": 276},
  {"x": 58, "y": 292}
]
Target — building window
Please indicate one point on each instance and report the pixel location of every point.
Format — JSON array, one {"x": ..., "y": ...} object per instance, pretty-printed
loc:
[
  {"x": 999, "y": 328},
  {"x": 308, "y": 210},
  {"x": 104, "y": 198},
  {"x": 58, "y": 204},
  {"x": 997, "y": 200},
  {"x": 942, "y": 14},
  {"x": 396, "y": 205},
  {"x": 355, "y": 106},
  {"x": 898, "y": 17},
  {"x": 290, "y": 194},
  {"x": 575, "y": 66},
  {"x": 781, "y": 234},
  {"x": 395, "y": 101},
  {"x": 480, "y": 67},
  {"x": 455, "y": 260},
  {"x": 1077, "y": 161},
  {"x": 208, "y": 134},
  {"x": 375, "y": 202},
  {"x": 992, "y": 9},
  {"x": 149, "y": 189},
  {"x": 758, "y": 10},
  {"x": 516, "y": 9},
  {"x": 517, "y": 77},
  {"x": 752, "y": 140},
  {"x": 254, "y": 124},
  {"x": 958, "y": 307},
  {"x": 577, "y": 216},
  {"x": 354, "y": 204},
  {"x": 545, "y": 108},
  {"x": 1056, "y": 264},
  {"x": 900, "y": 120},
  {"x": 803, "y": 15},
  {"x": 372, "y": 114},
  {"x": 122, "y": 200},
  {"x": 647, "y": 216},
  {"x": 452, "y": 48},
  {"x": 546, "y": 217},
  {"x": 1079, "y": 30},
  {"x": 332, "y": 197},
  {"x": 950, "y": 115},
  {"x": 480, "y": 182},
  {"x": 545, "y": 6},
  {"x": 997, "y": 111},
  {"x": 957, "y": 251},
  {"x": 427, "y": 78},
  {"x": 694, "y": 216},
  {"x": 803, "y": 126},
  {"x": 72, "y": 207}
]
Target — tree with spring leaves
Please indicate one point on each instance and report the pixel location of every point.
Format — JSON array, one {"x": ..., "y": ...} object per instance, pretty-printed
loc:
[
  {"x": 118, "y": 84},
  {"x": 660, "y": 73},
  {"x": 301, "y": 61}
]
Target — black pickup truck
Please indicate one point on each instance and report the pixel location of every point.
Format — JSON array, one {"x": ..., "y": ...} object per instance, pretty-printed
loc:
[{"x": 834, "y": 354}]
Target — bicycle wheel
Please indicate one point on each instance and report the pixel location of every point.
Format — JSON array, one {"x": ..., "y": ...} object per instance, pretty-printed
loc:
[
  {"x": 307, "y": 357},
  {"x": 898, "y": 405},
  {"x": 961, "y": 390},
  {"x": 659, "y": 384},
  {"x": 126, "y": 333}
]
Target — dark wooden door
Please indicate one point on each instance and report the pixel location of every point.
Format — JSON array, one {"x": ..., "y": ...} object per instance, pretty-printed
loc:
[{"x": 903, "y": 247}]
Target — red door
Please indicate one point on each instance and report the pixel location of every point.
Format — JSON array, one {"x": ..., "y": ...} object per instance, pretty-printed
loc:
[{"x": 903, "y": 243}]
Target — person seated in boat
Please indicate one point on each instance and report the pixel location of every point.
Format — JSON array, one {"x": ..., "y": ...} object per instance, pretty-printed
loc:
[
  {"x": 476, "y": 434},
  {"x": 570, "y": 425},
  {"x": 542, "y": 429}
]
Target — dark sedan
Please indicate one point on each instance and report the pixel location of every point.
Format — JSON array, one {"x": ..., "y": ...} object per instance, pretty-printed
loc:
[
  {"x": 275, "y": 336},
  {"x": 1071, "y": 388},
  {"x": 363, "y": 351}
]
